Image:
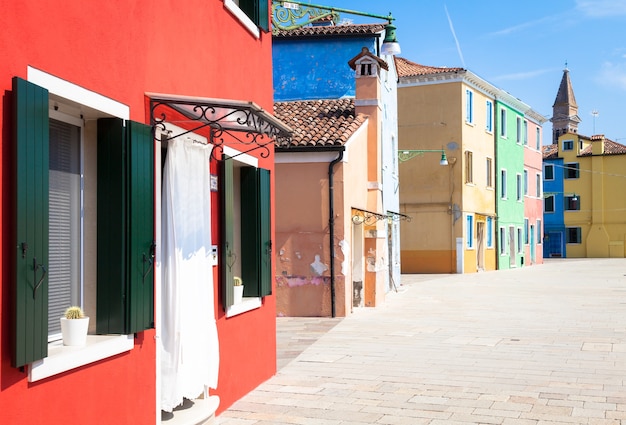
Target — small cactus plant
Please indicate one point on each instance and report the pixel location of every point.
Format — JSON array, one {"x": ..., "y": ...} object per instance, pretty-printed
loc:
[
  {"x": 237, "y": 281},
  {"x": 74, "y": 312}
]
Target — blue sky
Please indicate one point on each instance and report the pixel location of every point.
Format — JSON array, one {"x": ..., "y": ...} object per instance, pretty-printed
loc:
[{"x": 521, "y": 47}]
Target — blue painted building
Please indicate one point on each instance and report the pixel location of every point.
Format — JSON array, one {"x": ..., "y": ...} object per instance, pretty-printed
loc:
[
  {"x": 553, "y": 204},
  {"x": 312, "y": 62}
]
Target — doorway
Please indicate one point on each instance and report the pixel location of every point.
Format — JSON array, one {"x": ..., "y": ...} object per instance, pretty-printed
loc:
[{"x": 512, "y": 246}]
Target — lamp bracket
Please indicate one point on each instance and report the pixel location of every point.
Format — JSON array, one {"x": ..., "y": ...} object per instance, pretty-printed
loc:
[{"x": 290, "y": 15}]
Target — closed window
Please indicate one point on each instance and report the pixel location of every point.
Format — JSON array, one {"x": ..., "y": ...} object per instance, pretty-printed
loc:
[
  {"x": 548, "y": 204},
  {"x": 469, "y": 232},
  {"x": 502, "y": 241},
  {"x": 573, "y": 235},
  {"x": 571, "y": 170},
  {"x": 526, "y": 182},
  {"x": 518, "y": 130},
  {"x": 548, "y": 172},
  {"x": 518, "y": 186},
  {"x": 489, "y": 232},
  {"x": 502, "y": 122},
  {"x": 538, "y": 139},
  {"x": 489, "y": 116},
  {"x": 469, "y": 106},
  {"x": 520, "y": 245},
  {"x": 469, "y": 167},
  {"x": 489, "y": 172},
  {"x": 568, "y": 145},
  {"x": 525, "y": 132},
  {"x": 538, "y": 184},
  {"x": 503, "y": 184}
]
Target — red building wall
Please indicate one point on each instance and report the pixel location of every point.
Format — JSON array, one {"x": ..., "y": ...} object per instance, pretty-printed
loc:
[{"x": 123, "y": 49}]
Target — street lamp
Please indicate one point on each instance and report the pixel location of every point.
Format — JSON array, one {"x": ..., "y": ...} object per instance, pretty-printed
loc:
[
  {"x": 286, "y": 14},
  {"x": 406, "y": 154}
]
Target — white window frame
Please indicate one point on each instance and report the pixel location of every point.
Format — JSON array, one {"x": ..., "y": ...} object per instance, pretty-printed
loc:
[
  {"x": 538, "y": 141},
  {"x": 503, "y": 240},
  {"x": 63, "y": 358},
  {"x": 567, "y": 145},
  {"x": 503, "y": 118},
  {"x": 489, "y": 116},
  {"x": 539, "y": 183},
  {"x": 539, "y": 232},
  {"x": 545, "y": 167},
  {"x": 518, "y": 187},
  {"x": 503, "y": 184},
  {"x": 233, "y": 7}
]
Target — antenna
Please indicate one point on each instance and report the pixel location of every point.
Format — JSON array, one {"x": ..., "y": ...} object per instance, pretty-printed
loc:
[{"x": 595, "y": 113}]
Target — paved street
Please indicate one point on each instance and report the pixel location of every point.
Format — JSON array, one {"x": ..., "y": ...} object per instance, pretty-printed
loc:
[{"x": 539, "y": 345}]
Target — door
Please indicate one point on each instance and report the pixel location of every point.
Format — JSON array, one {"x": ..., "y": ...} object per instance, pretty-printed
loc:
[
  {"x": 480, "y": 248},
  {"x": 554, "y": 242}
]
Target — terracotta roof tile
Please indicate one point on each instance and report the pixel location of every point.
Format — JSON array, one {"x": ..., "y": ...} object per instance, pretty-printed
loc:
[
  {"x": 320, "y": 122},
  {"x": 610, "y": 147},
  {"x": 406, "y": 68},
  {"x": 550, "y": 151},
  {"x": 322, "y": 30}
]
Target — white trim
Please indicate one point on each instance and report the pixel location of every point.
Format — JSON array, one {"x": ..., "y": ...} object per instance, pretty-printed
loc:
[
  {"x": 78, "y": 94},
  {"x": 306, "y": 157},
  {"x": 248, "y": 303},
  {"x": 245, "y": 20},
  {"x": 241, "y": 157},
  {"x": 63, "y": 358}
]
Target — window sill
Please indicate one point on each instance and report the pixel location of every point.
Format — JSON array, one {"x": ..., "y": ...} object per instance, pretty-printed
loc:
[
  {"x": 245, "y": 20},
  {"x": 248, "y": 303},
  {"x": 63, "y": 358}
]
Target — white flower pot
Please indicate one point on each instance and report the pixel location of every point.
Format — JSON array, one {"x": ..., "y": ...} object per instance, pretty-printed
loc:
[
  {"x": 238, "y": 290},
  {"x": 74, "y": 331}
]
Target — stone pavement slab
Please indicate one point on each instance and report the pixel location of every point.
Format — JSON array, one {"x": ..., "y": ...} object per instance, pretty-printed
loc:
[{"x": 537, "y": 345}]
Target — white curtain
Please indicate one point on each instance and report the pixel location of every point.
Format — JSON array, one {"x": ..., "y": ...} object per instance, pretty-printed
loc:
[{"x": 190, "y": 351}]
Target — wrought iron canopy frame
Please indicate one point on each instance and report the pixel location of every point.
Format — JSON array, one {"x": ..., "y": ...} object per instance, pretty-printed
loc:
[
  {"x": 246, "y": 122},
  {"x": 289, "y": 15}
]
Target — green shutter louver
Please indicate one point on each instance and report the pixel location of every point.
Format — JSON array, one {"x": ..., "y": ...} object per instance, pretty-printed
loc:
[
  {"x": 227, "y": 253},
  {"x": 31, "y": 146},
  {"x": 255, "y": 225},
  {"x": 111, "y": 228},
  {"x": 140, "y": 292},
  {"x": 265, "y": 232},
  {"x": 125, "y": 227}
]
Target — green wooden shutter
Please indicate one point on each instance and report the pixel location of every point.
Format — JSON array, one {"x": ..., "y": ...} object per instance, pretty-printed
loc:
[
  {"x": 140, "y": 225},
  {"x": 257, "y": 11},
  {"x": 263, "y": 15},
  {"x": 111, "y": 227},
  {"x": 31, "y": 143},
  {"x": 255, "y": 225},
  {"x": 227, "y": 256},
  {"x": 265, "y": 232},
  {"x": 125, "y": 227}
]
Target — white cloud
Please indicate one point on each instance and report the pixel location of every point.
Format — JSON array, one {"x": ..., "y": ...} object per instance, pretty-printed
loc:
[
  {"x": 613, "y": 75},
  {"x": 601, "y": 8},
  {"x": 522, "y": 26}
]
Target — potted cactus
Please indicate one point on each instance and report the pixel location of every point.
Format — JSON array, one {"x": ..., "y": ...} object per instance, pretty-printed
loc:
[
  {"x": 74, "y": 325},
  {"x": 237, "y": 289}
]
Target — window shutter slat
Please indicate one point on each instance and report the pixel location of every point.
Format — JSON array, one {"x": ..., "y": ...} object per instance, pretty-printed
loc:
[
  {"x": 263, "y": 8},
  {"x": 265, "y": 232},
  {"x": 226, "y": 254},
  {"x": 140, "y": 224},
  {"x": 31, "y": 143}
]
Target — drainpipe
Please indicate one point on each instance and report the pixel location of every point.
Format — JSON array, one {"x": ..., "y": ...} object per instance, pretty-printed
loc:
[{"x": 331, "y": 228}]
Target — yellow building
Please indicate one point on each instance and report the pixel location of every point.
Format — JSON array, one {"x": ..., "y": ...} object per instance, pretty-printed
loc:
[
  {"x": 452, "y": 207},
  {"x": 594, "y": 175}
]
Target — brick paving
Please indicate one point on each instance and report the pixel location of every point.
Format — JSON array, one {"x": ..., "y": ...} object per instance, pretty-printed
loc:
[{"x": 535, "y": 346}]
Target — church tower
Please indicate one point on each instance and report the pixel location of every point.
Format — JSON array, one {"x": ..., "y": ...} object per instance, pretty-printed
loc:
[{"x": 565, "y": 110}]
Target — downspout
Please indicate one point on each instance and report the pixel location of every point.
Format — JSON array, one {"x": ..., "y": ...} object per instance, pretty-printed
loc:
[{"x": 331, "y": 228}]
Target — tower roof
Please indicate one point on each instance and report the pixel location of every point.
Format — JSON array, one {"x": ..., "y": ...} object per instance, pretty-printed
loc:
[{"x": 565, "y": 95}]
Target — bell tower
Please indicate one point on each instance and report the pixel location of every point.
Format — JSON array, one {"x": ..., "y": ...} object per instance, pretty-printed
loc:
[{"x": 565, "y": 117}]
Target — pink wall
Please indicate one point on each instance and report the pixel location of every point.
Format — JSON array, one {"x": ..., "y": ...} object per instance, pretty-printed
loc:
[
  {"x": 121, "y": 50},
  {"x": 533, "y": 203}
]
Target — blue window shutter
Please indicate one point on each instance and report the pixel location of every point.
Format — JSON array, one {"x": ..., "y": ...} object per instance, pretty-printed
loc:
[{"x": 31, "y": 147}]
